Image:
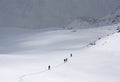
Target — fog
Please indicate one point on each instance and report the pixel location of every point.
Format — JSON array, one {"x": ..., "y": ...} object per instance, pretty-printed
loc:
[{"x": 51, "y": 13}]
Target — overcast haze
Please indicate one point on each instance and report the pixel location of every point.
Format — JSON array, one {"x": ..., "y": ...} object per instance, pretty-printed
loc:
[{"x": 51, "y": 13}]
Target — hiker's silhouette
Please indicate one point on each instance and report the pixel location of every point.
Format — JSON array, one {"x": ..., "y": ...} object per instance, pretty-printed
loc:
[
  {"x": 64, "y": 60},
  {"x": 70, "y": 55},
  {"x": 49, "y": 67}
]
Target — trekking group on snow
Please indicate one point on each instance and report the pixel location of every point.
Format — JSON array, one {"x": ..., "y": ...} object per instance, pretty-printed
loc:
[
  {"x": 65, "y": 60},
  {"x": 94, "y": 43}
]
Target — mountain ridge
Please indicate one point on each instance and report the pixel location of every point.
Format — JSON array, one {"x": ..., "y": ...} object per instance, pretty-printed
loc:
[{"x": 83, "y": 22}]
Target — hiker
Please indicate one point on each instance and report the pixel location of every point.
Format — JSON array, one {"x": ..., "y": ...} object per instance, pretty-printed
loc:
[
  {"x": 70, "y": 55},
  {"x": 64, "y": 60},
  {"x": 49, "y": 67}
]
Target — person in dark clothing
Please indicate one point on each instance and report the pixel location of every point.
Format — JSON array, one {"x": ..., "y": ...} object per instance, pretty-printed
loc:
[
  {"x": 64, "y": 60},
  {"x": 70, "y": 55},
  {"x": 49, "y": 67}
]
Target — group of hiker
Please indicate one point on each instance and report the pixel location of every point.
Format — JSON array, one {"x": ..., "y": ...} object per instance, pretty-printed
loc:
[{"x": 65, "y": 60}]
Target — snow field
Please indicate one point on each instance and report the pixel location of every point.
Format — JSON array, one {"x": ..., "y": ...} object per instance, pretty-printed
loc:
[{"x": 30, "y": 55}]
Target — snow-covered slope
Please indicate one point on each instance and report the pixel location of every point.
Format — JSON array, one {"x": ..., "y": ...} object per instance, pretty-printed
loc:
[
  {"x": 33, "y": 50},
  {"x": 99, "y": 63},
  {"x": 109, "y": 43},
  {"x": 15, "y": 40}
]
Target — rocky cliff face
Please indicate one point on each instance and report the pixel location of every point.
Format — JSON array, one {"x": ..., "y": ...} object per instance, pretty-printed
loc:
[
  {"x": 112, "y": 18},
  {"x": 87, "y": 22}
]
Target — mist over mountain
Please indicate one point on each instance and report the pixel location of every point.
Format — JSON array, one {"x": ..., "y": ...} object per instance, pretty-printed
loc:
[
  {"x": 51, "y": 13},
  {"x": 87, "y": 22}
]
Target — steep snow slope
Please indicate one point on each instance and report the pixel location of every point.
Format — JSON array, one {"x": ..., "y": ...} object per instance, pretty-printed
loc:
[
  {"x": 35, "y": 50},
  {"x": 17, "y": 40},
  {"x": 99, "y": 63},
  {"x": 109, "y": 43}
]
